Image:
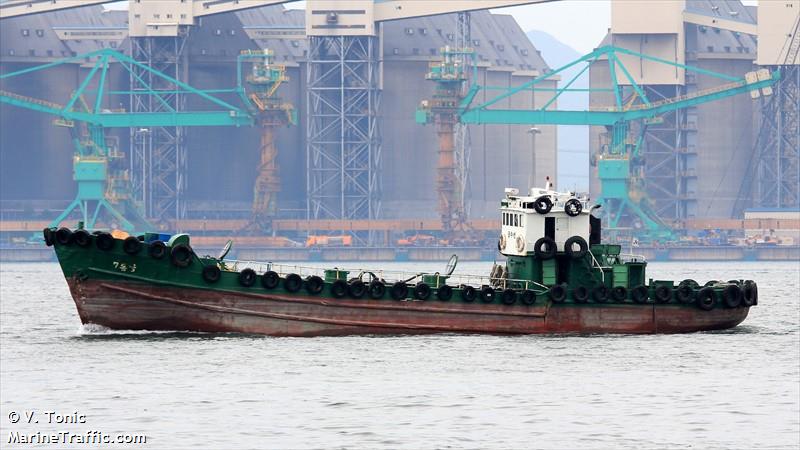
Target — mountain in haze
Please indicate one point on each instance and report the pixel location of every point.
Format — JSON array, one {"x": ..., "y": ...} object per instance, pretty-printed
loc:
[{"x": 573, "y": 141}]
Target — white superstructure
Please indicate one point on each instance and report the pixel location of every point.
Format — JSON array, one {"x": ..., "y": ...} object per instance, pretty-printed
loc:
[{"x": 543, "y": 214}]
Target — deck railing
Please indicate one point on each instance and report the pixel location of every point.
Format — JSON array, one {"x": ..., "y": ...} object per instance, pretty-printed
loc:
[{"x": 388, "y": 276}]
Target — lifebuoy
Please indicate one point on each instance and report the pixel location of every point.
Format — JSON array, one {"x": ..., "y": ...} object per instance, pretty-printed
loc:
[
  {"x": 292, "y": 282},
  {"x": 270, "y": 280},
  {"x": 520, "y": 244},
  {"x": 732, "y": 295},
  {"x": 314, "y": 285},
  {"x": 528, "y": 297},
  {"x": 487, "y": 294},
  {"x": 468, "y": 294},
  {"x": 543, "y": 204},
  {"x": 356, "y": 288},
  {"x": 707, "y": 298},
  {"x": 181, "y": 255},
  {"x": 247, "y": 277},
  {"x": 376, "y": 289},
  {"x": 82, "y": 238},
  {"x": 131, "y": 245},
  {"x": 573, "y": 207},
  {"x": 339, "y": 289},
  {"x": 211, "y": 274},
  {"x": 64, "y": 236},
  {"x": 580, "y": 294},
  {"x": 508, "y": 297},
  {"x": 662, "y": 293},
  {"x": 544, "y": 248},
  {"x": 501, "y": 244},
  {"x": 399, "y": 291},
  {"x": 157, "y": 250},
  {"x": 47, "y": 233},
  {"x": 558, "y": 293},
  {"x": 619, "y": 294},
  {"x": 444, "y": 293},
  {"x": 583, "y": 247}
]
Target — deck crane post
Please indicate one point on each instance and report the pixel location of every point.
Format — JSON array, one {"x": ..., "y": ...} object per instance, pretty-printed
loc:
[
  {"x": 622, "y": 195},
  {"x": 271, "y": 112}
]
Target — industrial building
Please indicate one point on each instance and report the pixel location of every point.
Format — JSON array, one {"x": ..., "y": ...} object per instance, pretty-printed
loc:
[
  {"x": 705, "y": 161},
  {"x": 359, "y": 73},
  {"x": 221, "y": 162}
]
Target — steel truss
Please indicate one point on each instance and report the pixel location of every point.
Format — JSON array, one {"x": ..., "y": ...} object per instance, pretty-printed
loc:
[
  {"x": 773, "y": 178},
  {"x": 665, "y": 152},
  {"x": 159, "y": 154},
  {"x": 343, "y": 129}
]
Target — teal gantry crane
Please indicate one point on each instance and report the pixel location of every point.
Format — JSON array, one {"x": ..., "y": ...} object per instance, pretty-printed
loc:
[
  {"x": 103, "y": 182},
  {"x": 620, "y": 169}
]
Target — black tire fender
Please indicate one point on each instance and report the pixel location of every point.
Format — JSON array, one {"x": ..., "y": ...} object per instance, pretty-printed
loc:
[
  {"x": 211, "y": 273},
  {"x": 508, "y": 297},
  {"x": 339, "y": 289},
  {"x": 270, "y": 280},
  {"x": 573, "y": 207},
  {"x": 583, "y": 247},
  {"x": 545, "y": 248},
  {"x": 131, "y": 245},
  {"x": 292, "y": 282},
  {"x": 528, "y": 297},
  {"x": 706, "y": 298},
  {"x": 247, "y": 277},
  {"x": 750, "y": 293},
  {"x": 558, "y": 293},
  {"x": 357, "y": 288},
  {"x": 732, "y": 295},
  {"x": 82, "y": 238},
  {"x": 662, "y": 294},
  {"x": 422, "y": 291},
  {"x": 376, "y": 290},
  {"x": 157, "y": 250},
  {"x": 639, "y": 294},
  {"x": 314, "y": 285},
  {"x": 487, "y": 294},
  {"x": 444, "y": 293},
  {"x": 619, "y": 294},
  {"x": 180, "y": 255},
  {"x": 600, "y": 294},
  {"x": 543, "y": 204},
  {"x": 469, "y": 294},
  {"x": 399, "y": 291},
  {"x": 47, "y": 234},
  {"x": 580, "y": 294},
  {"x": 64, "y": 236}
]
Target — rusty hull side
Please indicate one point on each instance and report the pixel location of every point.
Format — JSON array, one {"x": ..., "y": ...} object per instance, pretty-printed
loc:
[{"x": 133, "y": 305}]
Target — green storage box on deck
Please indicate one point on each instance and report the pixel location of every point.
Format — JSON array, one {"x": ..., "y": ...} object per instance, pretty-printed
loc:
[
  {"x": 336, "y": 274},
  {"x": 435, "y": 280},
  {"x": 620, "y": 275}
]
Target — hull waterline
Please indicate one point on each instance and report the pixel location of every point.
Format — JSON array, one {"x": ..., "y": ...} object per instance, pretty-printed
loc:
[{"x": 138, "y": 306}]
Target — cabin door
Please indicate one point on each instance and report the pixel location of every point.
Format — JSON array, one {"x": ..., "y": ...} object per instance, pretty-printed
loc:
[{"x": 550, "y": 227}]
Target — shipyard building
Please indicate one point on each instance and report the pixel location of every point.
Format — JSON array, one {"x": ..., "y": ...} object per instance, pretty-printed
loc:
[{"x": 36, "y": 157}]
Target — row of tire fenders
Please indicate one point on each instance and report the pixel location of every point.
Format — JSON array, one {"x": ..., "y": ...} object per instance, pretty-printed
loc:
[{"x": 688, "y": 291}]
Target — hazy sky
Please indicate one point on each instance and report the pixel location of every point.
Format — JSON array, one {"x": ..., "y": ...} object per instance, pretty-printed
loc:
[{"x": 581, "y": 24}]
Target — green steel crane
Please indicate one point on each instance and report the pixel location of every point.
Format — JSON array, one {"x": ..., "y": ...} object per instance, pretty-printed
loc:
[
  {"x": 620, "y": 169},
  {"x": 102, "y": 184}
]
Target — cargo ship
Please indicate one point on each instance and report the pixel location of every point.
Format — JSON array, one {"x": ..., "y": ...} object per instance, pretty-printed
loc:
[{"x": 558, "y": 277}]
